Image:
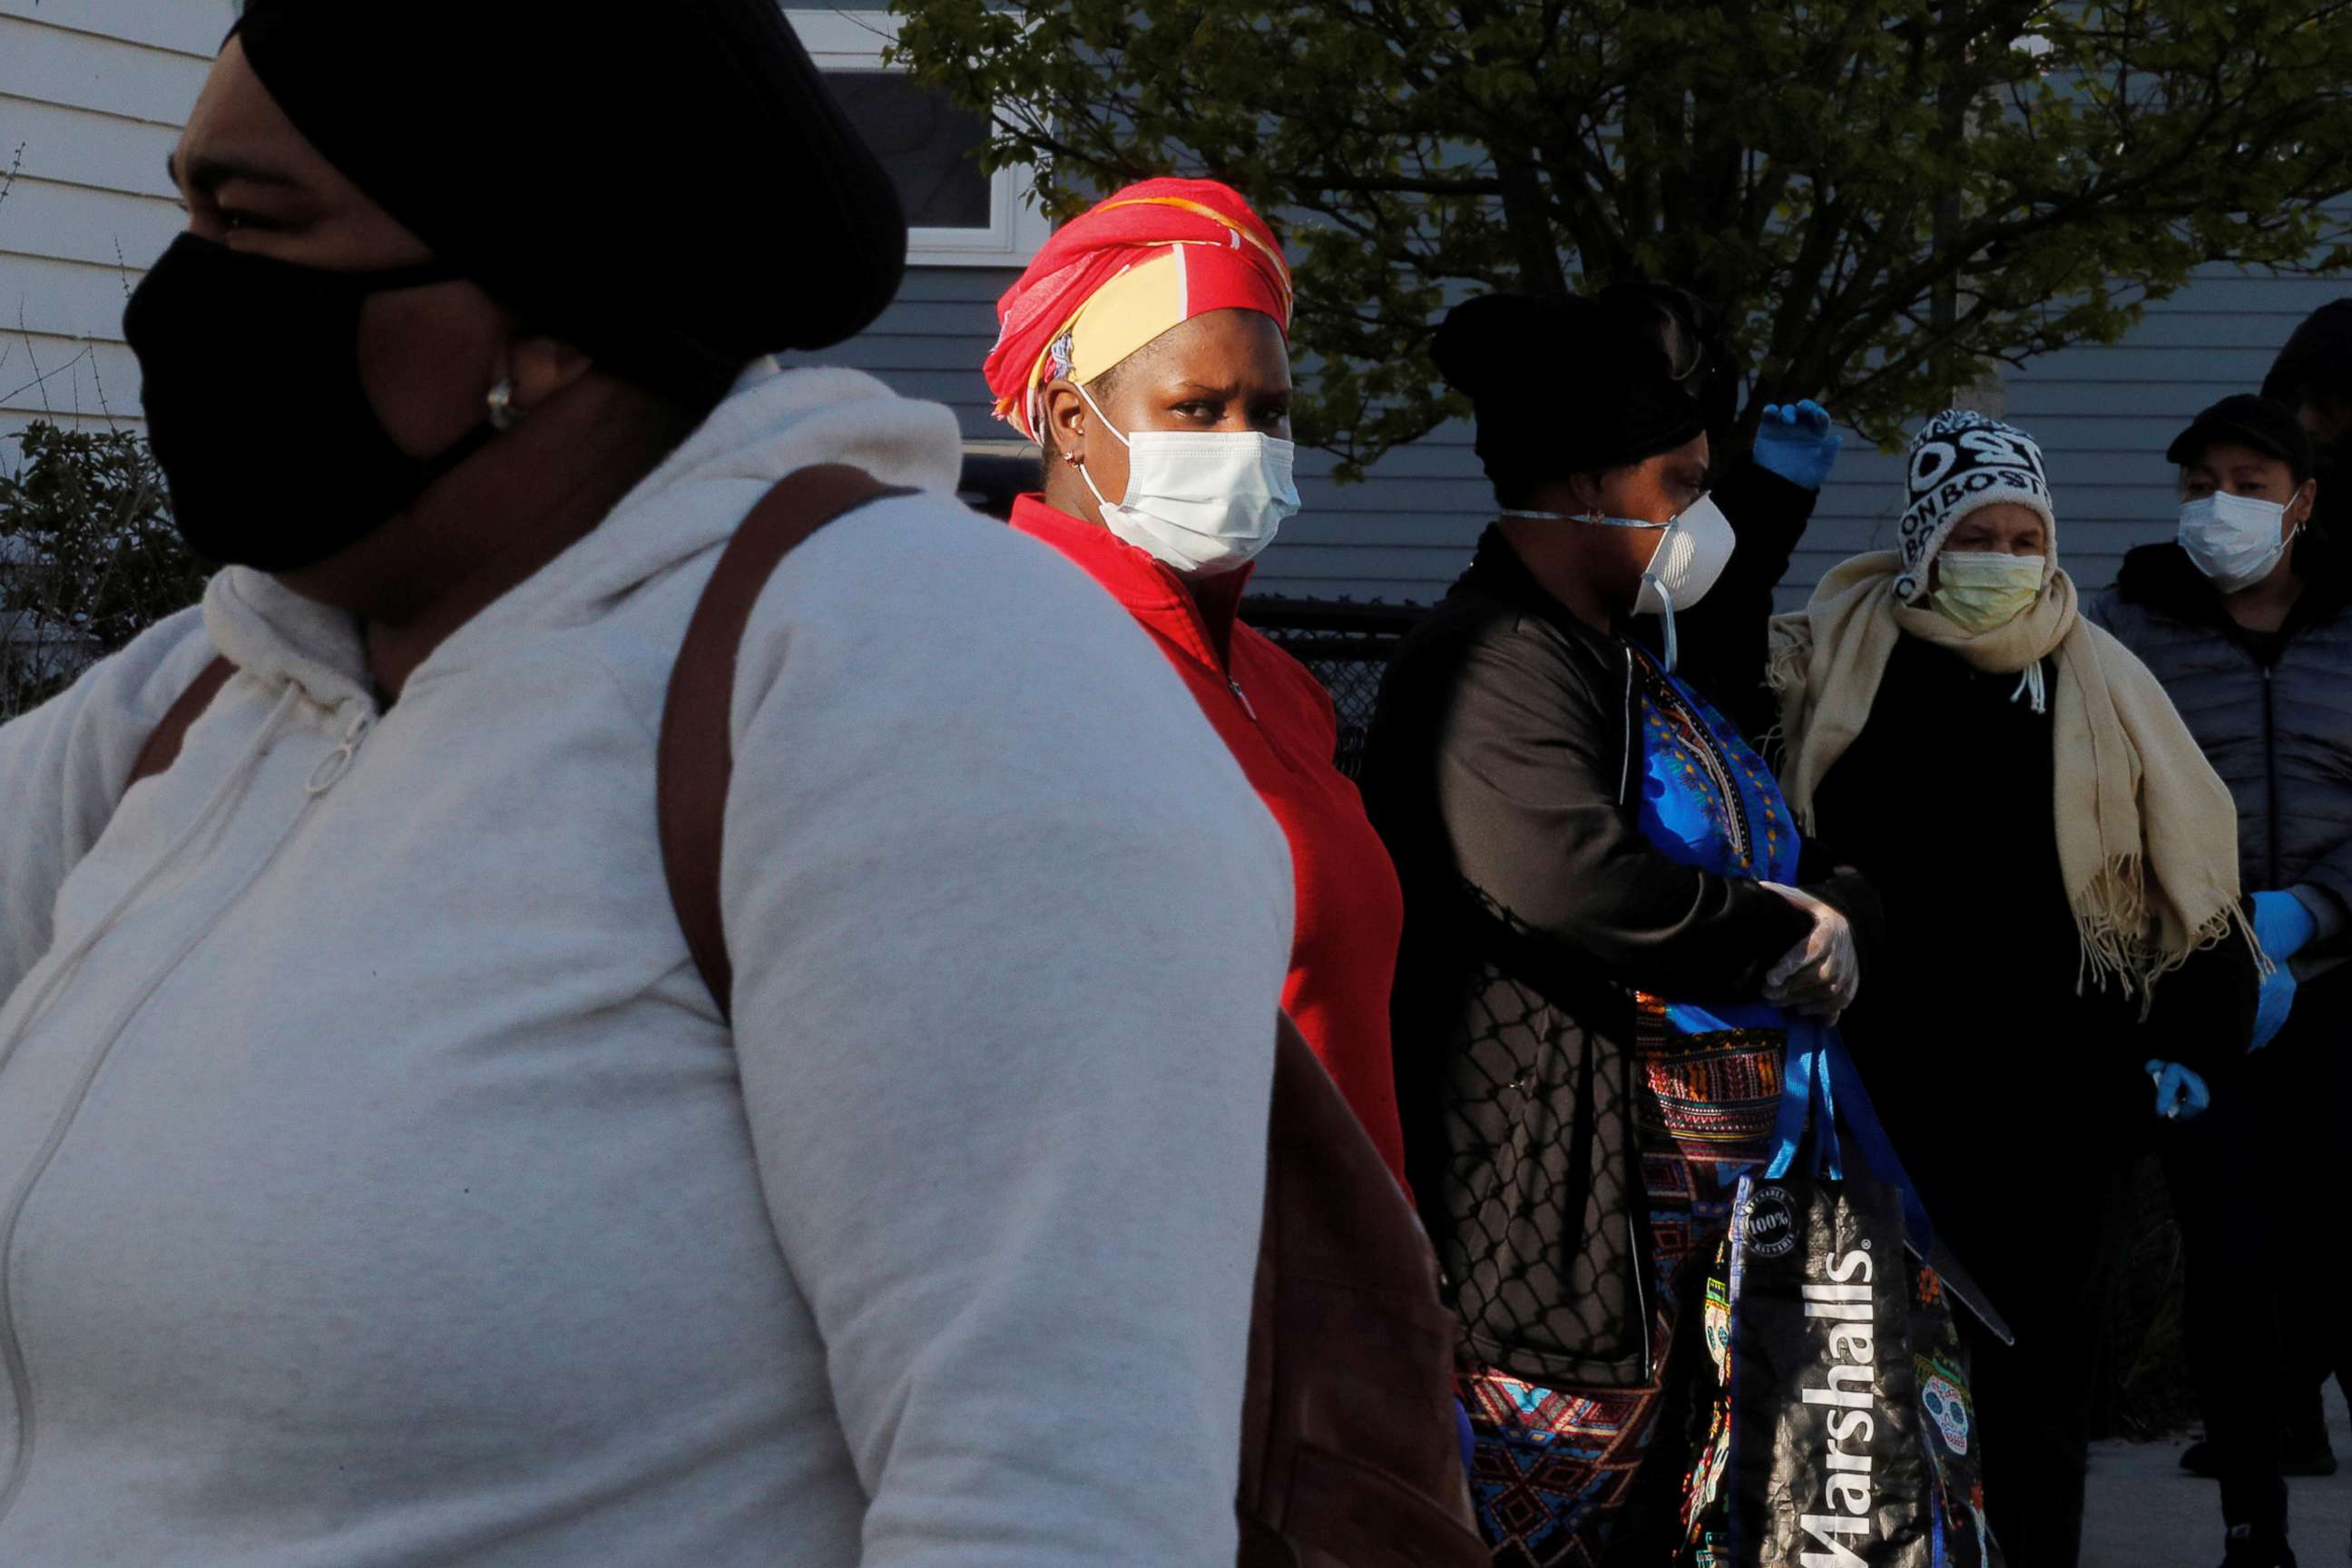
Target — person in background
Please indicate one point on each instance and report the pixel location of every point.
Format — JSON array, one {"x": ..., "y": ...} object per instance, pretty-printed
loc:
[
  {"x": 386, "y": 1184},
  {"x": 2246, "y": 618},
  {"x": 2059, "y": 865},
  {"x": 1583, "y": 840},
  {"x": 1145, "y": 349},
  {"x": 2313, "y": 375}
]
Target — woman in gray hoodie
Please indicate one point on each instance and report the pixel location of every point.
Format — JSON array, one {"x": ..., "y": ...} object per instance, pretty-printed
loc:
[{"x": 379, "y": 1181}]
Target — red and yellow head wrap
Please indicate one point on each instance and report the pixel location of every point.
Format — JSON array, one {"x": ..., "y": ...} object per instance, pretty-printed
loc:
[{"x": 1142, "y": 260}]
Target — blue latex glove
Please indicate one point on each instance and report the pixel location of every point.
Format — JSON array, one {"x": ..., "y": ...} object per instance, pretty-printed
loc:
[
  {"x": 2273, "y": 1004},
  {"x": 2283, "y": 924},
  {"x": 2179, "y": 1093},
  {"x": 1795, "y": 441},
  {"x": 1469, "y": 1439}
]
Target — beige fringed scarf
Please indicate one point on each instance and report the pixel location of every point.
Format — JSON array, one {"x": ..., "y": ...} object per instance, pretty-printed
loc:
[{"x": 2148, "y": 835}]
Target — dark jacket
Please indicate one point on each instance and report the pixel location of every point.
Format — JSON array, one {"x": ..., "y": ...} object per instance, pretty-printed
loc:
[
  {"x": 1981, "y": 1043},
  {"x": 2274, "y": 715},
  {"x": 1499, "y": 773}
]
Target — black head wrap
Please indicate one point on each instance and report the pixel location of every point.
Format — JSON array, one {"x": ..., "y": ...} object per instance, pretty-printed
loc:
[
  {"x": 2316, "y": 365},
  {"x": 666, "y": 183},
  {"x": 2314, "y": 368},
  {"x": 1564, "y": 386},
  {"x": 1697, "y": 340}
]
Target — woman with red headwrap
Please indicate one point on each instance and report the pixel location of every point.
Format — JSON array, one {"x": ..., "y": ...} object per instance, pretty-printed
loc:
[{"x": 1145, "y": 350}]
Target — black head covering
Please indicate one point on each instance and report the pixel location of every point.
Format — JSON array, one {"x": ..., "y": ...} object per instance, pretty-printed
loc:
[
  {"x": 1564, "y": 386},
  {"x": 1698, "y": 340},
  {"x": 2316, "y": 367},
  {"x": 2250, "y": 421},
  {"x": 2317, "y": 363},
  {"x": 666, "y": 183}
]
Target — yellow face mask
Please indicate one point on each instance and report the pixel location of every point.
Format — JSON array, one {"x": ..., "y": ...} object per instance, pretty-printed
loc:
[{"x": 1979, "y": 590}]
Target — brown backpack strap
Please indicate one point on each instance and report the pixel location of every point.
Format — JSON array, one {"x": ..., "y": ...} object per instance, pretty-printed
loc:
[
  {"x": 162, "y": 747},
  {"x": 697, "y": 753}
]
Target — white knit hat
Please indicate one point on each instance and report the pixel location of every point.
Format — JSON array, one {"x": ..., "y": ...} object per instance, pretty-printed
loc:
[{"x": 1960, "y": 462}]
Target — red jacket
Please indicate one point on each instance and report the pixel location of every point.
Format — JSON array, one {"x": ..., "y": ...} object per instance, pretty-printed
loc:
[{"x": 1279, "y": 724}]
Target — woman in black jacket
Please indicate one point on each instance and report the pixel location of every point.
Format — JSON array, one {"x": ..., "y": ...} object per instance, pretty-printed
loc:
[
  {"x": 2246, "y": 618},
  {"x": 2059, "y": 870},
  {"x": 1581, "y": 839}
]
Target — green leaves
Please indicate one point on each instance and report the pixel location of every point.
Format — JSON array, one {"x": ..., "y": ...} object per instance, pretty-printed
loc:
[
  {"x": 1891, "y": 197},
  {"x": 89, "y": 558}
]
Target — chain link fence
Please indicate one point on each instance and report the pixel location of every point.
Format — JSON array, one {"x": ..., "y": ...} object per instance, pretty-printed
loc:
[{"x": 1346, "y": 646}]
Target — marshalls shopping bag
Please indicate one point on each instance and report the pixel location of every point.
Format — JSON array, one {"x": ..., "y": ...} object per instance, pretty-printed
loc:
[{"x": 1843, "y": 1433}]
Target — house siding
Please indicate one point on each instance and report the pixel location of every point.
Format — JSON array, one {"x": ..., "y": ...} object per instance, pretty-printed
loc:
[
  {"x": 2102, "y": 414},
  {"x": 93, "y": 92}
]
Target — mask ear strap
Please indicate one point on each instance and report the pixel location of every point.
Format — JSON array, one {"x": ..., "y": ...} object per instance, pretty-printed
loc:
[
  {"x": 1088, "y": 477},
  {"x": 1666, "y": 599},
  {"x": 1084, "y": 473},
  {"x": 1104, "y": 417}
]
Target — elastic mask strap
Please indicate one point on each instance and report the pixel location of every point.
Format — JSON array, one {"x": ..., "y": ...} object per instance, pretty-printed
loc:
[
  {"x": 1107, "y": 423},
  {"x": 1592, "y": 516},
  {"x": 1673, "y": 651},
  {"x": 1090, "y": 482}
]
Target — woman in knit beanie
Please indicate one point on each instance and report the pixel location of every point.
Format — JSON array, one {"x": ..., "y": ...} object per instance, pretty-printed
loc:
[{"x": 2059, "y": 867}]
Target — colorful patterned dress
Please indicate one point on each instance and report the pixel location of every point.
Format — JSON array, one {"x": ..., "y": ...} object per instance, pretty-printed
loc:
[{"x": 1552, "y": 1466}]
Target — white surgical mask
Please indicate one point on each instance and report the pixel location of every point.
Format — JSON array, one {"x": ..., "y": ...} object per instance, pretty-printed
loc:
[
  {"x": 2234, "y": 540},
  {"x": 1693, "y": 547},
  {"x": 1204, "y": 502}
]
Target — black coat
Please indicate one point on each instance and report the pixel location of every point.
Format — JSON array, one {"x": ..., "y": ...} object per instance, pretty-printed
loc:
[
  {"x": 1983, "y": 1050},
  {"x": 1499, "y": 771},
  {"x": 2274, "y": 715},
  {"x": 2275, "y": 721}
]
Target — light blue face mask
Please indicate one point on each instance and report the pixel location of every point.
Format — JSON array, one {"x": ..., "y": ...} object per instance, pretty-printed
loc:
[{"x": 2236, "y": 540}]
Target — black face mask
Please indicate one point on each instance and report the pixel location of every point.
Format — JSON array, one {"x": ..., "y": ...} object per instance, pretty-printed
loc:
[{"x": 275, "y": 458}]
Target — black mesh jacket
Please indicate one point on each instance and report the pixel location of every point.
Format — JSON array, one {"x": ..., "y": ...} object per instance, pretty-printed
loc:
[{"x": 1500, "y": 771}]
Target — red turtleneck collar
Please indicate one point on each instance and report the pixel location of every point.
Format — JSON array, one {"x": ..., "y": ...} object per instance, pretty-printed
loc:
[{"x": 1198, "y": 617}]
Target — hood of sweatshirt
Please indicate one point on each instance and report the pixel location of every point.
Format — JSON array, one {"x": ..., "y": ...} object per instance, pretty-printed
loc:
[{"x": 773, "y": 422}]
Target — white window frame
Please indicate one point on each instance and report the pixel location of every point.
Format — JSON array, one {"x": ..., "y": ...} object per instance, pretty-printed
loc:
[{"x": 854, "y": 40}]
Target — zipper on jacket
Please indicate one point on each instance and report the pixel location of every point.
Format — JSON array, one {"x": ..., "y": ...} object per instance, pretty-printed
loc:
[
  {"x": 1235, "y": 687},
  {"x": 323, "y": 777},
  {"x": 1642, "y": 1300},
  {"x": 1625, "y": 754},
  {"x": 2270, "y": 772}
]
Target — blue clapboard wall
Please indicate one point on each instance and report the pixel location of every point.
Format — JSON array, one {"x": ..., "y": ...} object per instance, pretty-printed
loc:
[
  {"x": 92, "y": 93},
  {"x": 2104, "y": 415}
]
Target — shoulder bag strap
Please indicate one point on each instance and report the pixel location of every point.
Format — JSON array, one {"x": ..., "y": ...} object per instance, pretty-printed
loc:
[{"x": 698, "y": 756}]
